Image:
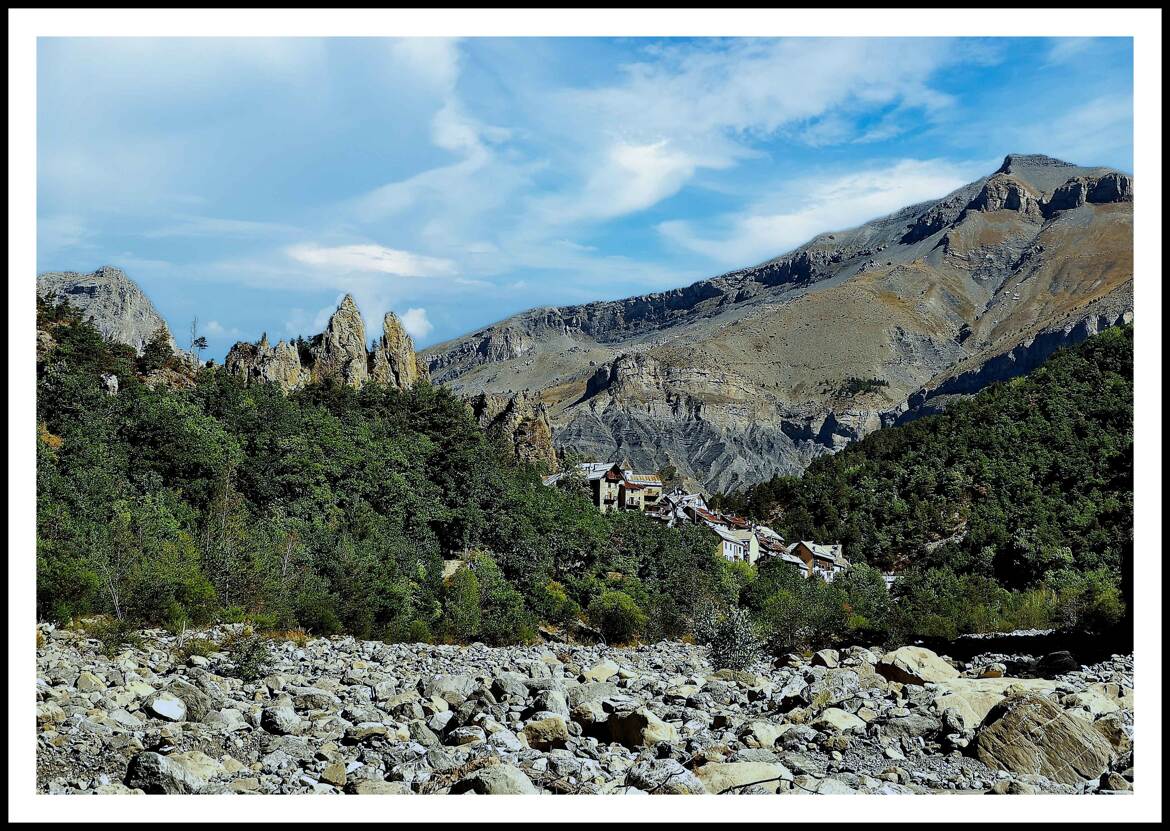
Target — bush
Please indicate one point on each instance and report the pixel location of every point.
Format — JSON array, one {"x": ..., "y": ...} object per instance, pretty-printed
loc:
[
  {"x": 461, "y": 612},
  {"x": 115, "y": 634},
  {"x": 617, "y": 616},
  {"x": 735, "y": 643},
  {"x": 1085, "y": 601},
  {"x": 194, "y": 646},
  {"x": 250, "y": 657}
]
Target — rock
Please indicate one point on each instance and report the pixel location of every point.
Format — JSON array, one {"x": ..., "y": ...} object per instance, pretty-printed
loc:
[
  {"x": 198, "y": 764},
  {"x": 117, "y": 306},
  {"x": 394, "y": 362},
  {"x": 762, "y": 733},
  {"x": 518, "y": 421},
  {"x": 198, "y": 703},
  {"x": 915, "y": 665},
  {"x": 1057, "y": 663},
  {"x": 166, "y": 706},
  {"x": 995, "y": 670},
  {"x": 1032, "y": 735},
  {"x": 725, "y": 777},
  {"x": 546, "y": 733},
  {"x": 601, "y": 672},
  {"x": 663, "y": 776},
  {"x": 155, "y": 773},
  {"x": 826, "y": 658},
  {"x": 495, "y": 779},
  {"x": 264, "y": 363},
  {"x": 838, "y": 721},
  {"x": 375, "y": 786},
  {"x": 334, "y": 774},
  {"x": 1113, "y": 728},
  {"x": 281, "y": 720},
  {"x": 454, "y": 689},
  {"x": 88, "y": 682},
  {"x": 640, "y": 728},
  {"x": 1115, "y": 782},
  {"x": 339, "y": 353},
  {"x": 973, "y": 698}
]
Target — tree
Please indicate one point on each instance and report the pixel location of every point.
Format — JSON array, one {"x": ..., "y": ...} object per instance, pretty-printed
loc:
[
  {"x": 158, "y": 350},
  {"x": 617, "y": 616}
]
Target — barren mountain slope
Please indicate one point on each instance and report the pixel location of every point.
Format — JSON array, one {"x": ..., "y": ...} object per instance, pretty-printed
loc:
[{"x": 755, "y": 372}]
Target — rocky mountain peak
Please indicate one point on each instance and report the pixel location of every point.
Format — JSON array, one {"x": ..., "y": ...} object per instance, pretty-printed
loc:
[
  {"x": 339, "y": 354},
  {"x": 1014, "y": 162},
  {"x": 394, "y": 361},
  {"x": 119, "y": 309},
  {"x": 518, "y": 422}
]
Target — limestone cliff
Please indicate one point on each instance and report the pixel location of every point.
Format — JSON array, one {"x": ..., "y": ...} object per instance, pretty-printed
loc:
[
  {"x": 520, "y": 424},
  {"x": 119, "y": 309},
  {"x": 394, "y": 362}
]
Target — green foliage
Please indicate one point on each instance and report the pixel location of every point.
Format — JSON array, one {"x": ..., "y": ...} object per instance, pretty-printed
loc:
[
  {"x": 250, "y": 657},
  {"x": 461, "y": 606},
  {"x": 617, "y": 616},
  {"x": 734, "y": 640},
  {"x": 1028, "y": 477},
  {"x": 194, "y": 646},
  {"x": 114, "y": 635},
  {"x": 332, "y": 510}
]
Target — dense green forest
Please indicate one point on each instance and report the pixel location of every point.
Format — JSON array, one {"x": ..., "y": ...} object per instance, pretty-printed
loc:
[
  {"x": 333, "y": 510},
  {"x": 1030, "y": 482}
]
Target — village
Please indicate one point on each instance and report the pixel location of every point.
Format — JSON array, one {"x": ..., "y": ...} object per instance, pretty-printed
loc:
[{"x": 614, "y": 486}]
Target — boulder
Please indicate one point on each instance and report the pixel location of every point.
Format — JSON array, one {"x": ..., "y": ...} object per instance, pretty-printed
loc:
[
  {"x": 454, "y": 689},
  {"x": 495, "y": 779},
  {"x": 973, "y": 698},
  {"x": 546, "y": 733},
  {"x": 166, "y": 706},
  {"x": 834, "y": 720},
  {"x": 281, "y": 720},
  {"x": 602, "y": 671},
  {"x": 640, "y": 728},
  {"x": 1030, "y": 734},
  {"x": 155, "y": 773},
  {"x": 727, "y": 777},
  {"x": 915, "y": 665},
  {"x": 826, "y": 658},
  {"x": 663, "y": 776}
]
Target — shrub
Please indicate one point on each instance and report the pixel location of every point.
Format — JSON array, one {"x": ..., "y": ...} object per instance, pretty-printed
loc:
[
  {"x": 250, "y": 657},
  {"x": 194, "y": 646},
  {"x": 115, "y": 634},
  {"x": 461, "y": 611},
  {"x": 617, "y": 616},
  {"x": 736, "y": 643}
]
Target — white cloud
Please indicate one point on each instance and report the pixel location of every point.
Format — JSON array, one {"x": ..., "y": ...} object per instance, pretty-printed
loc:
[
  {"x": 416, "y": 324},
  {"x": 370, "y": 258},
  {"x": 772, "y": 227},
  {"x": 217, "y": 329},
  {"x": 1064, "y": 50}
]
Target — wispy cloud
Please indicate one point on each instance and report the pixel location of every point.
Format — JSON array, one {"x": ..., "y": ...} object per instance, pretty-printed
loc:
[
  {"x": 801, "y": 209},
  {"x": 371, "y": 258}
]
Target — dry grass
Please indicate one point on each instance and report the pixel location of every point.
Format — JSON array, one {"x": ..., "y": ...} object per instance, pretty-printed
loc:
[
  {"x": 40, "y": 639},
  {"x": 298, "y": 636}
]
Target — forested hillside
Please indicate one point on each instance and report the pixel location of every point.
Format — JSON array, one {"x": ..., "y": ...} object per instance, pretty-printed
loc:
[
  {"x": 330, "y": 509},
  {"x": 333, "y": 510},
  {"x": 1029, "y": 481}
]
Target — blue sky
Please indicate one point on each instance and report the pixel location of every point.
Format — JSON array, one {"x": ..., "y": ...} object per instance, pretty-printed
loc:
[{"x": 252, "y": 182}]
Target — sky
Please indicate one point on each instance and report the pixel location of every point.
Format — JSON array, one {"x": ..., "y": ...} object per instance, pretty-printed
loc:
[{"x": 250, "y": 183}]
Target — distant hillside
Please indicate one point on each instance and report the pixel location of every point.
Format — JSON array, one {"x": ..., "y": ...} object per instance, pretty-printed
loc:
[
  {"x": 757, "y": 372},
  {"x": 1027, "y": 477}
]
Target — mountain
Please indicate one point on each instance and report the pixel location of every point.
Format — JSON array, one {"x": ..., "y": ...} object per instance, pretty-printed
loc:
[
  {"x": 119, "y": 309},
  {"x": 756, "y": 372}
]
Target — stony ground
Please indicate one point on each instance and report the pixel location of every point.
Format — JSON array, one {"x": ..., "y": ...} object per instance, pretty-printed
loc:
[{"x": 363, "y": 717}]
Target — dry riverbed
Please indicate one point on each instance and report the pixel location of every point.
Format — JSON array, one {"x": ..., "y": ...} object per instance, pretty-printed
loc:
[{"x": 341, "y": 715}]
